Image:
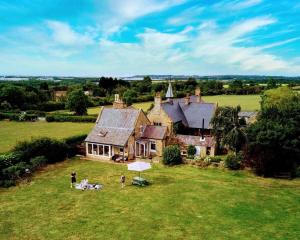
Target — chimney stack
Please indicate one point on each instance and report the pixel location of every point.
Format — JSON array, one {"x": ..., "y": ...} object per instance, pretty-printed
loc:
[
  {"x": 157, "y": 99},
  {"x": 198, "y": 94},
  {"x": 187, "y": 100},
  {"x": 118, "y": 103}
]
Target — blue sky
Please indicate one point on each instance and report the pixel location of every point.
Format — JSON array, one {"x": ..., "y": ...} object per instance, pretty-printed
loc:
[{"x": 128, "y": 37}]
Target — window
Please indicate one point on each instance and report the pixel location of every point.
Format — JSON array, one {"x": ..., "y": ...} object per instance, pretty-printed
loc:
[
  {"x": 100, "y": 149},
  {"x": 95, "y": 149},
  {"x": 208, "y": 150},
  {"x": 152, "y": 146},
  {"x": 157, "y": 123},
  {"x": 90, "y": 148},
  {"x": 106, "y": 150},
  {"x": 121, "y": 150}
]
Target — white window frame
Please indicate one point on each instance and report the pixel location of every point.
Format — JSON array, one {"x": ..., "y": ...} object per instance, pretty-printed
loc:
[
  {"x": 97, "y": 150},
  {"x": 150, "y": 146}
]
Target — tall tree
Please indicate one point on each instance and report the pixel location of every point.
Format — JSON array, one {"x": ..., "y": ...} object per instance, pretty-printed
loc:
[
  {"x": 77, "y": 101},
  {"x": 274, "y": 140},
  {"x": 227, "y": 128}
]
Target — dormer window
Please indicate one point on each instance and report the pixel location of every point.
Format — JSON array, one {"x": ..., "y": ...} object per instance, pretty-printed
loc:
[{"x": 102, "y": 133}]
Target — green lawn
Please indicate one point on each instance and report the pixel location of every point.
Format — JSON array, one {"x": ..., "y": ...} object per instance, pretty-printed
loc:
[
  {"x": 182, "y": 203},
  {"x": 12, "y": 132},
  {"x": 247, "y": 102}
]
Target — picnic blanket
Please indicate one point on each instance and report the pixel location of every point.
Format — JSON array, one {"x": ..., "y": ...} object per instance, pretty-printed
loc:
[{"x": 91, "y": 186}]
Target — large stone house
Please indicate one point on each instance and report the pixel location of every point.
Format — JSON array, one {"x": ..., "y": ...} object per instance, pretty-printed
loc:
[
  {"x": 128, "y": 132},
  {"x": 187, "y": 120},
  {"x": 124, "y": 132}
]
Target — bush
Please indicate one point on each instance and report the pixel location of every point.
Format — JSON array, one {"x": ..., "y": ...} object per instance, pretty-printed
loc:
[
  {"x": 72, "y": 143},
  {"x": 51, "y": 106},
  {"x": 191, "y": 151},
  {"x": 38, "y": 162},
  {"x": 215, "y": 159},
  {"x": 171, "y": 155},
  {"x": 18, "y": 116},
  {"x": 37, "y": 112},
  {"x": 233, "y": 162},
  {"x": 70, "y": 118},
  {"x": 53, "y": 150}
]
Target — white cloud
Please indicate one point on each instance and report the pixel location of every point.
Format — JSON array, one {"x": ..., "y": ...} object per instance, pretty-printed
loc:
[
  {"x": 188, "y": 16},
  {"x": 236, "y": 5},
  {"x": 63, "y": 34},
  {"x": 118, "y": 13},
  {"x": 221, "y": 49}
]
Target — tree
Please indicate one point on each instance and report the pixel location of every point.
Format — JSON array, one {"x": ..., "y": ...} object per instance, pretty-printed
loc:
[
  {"x": 191, "y": 151},
  {"x": 77, "y": 101},
  {"x": 274, "y": 142},
  {"x": 171, "y": 155},
  {"x": 129, "y": 96},
  {"x": 15, "y": 96},
  {"x": 227, "y": 129},
  {"x": 277, "y": 96}
]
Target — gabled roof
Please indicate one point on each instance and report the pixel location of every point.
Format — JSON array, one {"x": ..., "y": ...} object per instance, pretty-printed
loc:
[
  {"x": 114, "y": 126},
  {"x": 154, "y": 132},
  {"x": 196, "y": 112},
  {"x": 192, "y": 114}
]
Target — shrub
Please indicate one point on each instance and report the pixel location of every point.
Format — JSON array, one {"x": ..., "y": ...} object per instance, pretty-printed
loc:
[
  {"x": 233, "y": 162},
  {"x": 191, "y": 151},
  {"x": 18, "y": 116},
  {"x": 53, "y": 150},
  {"x": 72, "y": 143},
  {"x": 15, "y": 171},
  {"x": 38, "y": 162},
  {"x": 171, "y": 155},
  {"x": 70, "y": 118},
  {"x": 215, "y": 159},
  {"x": 51, "y": 106}
]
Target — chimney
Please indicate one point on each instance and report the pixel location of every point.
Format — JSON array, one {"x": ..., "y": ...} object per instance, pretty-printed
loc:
[
  {"x": 157, "y": 99},
  {"x": 198, "y": 94},
  {"x": 187, "y": 100},
  {"x": 118, "y": 103}
]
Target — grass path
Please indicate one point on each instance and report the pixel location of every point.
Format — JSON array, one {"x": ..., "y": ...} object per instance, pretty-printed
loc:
[
  {"x": 182, "y": 203},
  {"x": 12, "y": 132}
]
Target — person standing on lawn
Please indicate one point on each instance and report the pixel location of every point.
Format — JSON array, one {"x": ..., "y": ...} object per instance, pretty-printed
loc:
[
  {"x": 122, "y": 180},
  {"x": 73, "y": 178}
]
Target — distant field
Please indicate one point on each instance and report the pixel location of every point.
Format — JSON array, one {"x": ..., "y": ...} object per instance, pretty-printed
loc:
[
  {"x": 12, "y": 132},
  {"x": 247, "y": 102}
]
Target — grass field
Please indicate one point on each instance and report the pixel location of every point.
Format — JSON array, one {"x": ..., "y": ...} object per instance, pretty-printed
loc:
[
  {"x": 247, "y": 102},
  {"x": 12, "y": 132},
  {"x": 181, "y": 203}
]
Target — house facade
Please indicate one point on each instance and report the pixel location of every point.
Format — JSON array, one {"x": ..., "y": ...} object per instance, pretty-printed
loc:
[
  {"x": 187, "y": 120},
  {"x": 126, "y": 132}
]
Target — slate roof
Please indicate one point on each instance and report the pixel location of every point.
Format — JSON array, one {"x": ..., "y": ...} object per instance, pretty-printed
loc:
[
  {"x": 192, "y": 114},
  {"x": 154, "y": 132},
  {"x": 114, "y": 126},
  {"x": 195, "y": 140}
]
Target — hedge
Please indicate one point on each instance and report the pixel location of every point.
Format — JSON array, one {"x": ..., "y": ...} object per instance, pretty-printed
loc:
[
  {"x": 18, "y": 116},
  {"x": 33, "y": 155},
  {"x": 51, "y": 106},
  {"x": 70, "y": 118}
]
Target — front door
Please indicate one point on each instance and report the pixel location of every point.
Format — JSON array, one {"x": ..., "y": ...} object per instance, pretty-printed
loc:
[{"x": 141, "y": 149}]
